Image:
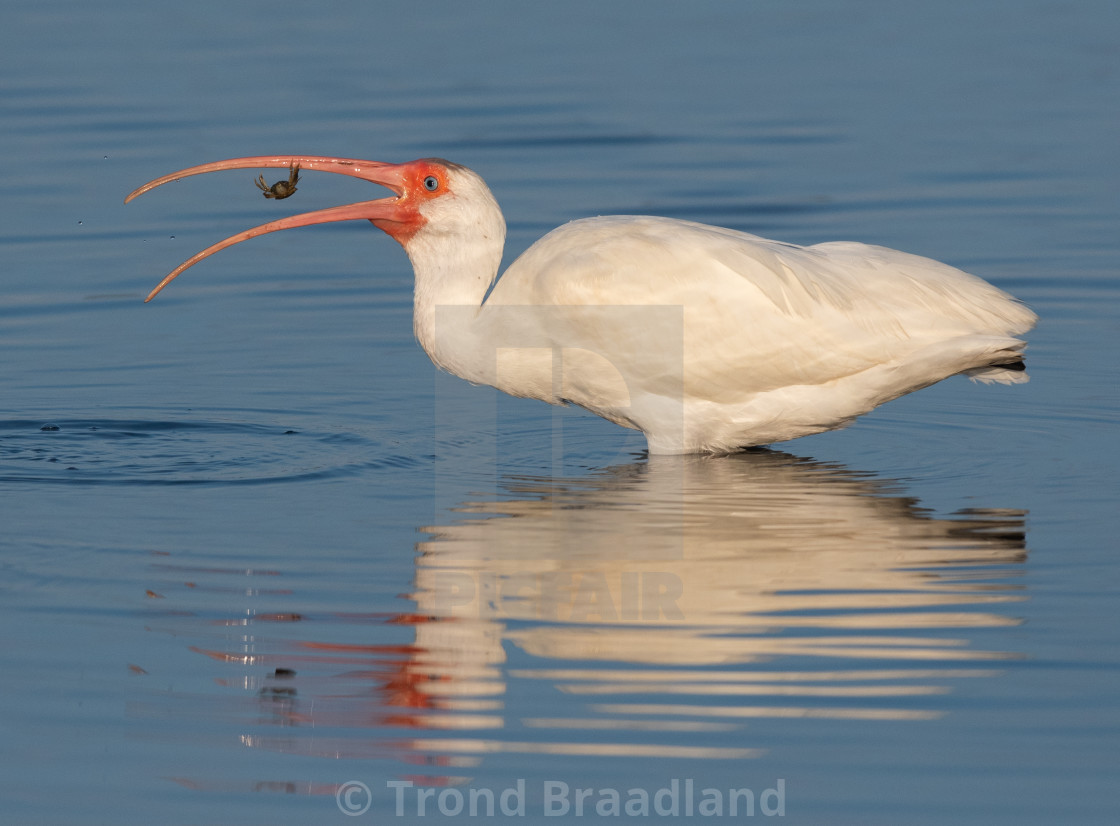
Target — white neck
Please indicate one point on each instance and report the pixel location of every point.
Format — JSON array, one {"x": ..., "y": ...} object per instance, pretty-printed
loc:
[
  {"x": 448, "y": 294},
  {"x": 455, "y": 256}
]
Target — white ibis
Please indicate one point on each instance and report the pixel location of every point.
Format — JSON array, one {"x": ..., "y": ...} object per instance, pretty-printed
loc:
[{"x": 705, "y": 339}]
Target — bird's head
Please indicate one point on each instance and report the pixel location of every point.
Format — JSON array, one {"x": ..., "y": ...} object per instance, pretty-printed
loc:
[{"x": 432, "y": 200}]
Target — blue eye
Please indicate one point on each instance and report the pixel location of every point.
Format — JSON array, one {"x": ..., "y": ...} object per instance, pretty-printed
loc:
[{"x": 431, "y": 183}]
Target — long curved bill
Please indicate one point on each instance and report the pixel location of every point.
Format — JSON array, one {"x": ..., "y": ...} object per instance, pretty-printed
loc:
[{"x": 384, "y": 174}]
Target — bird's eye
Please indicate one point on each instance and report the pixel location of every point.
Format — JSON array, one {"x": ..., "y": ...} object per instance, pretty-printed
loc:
[{"x": 431, "y": 183}]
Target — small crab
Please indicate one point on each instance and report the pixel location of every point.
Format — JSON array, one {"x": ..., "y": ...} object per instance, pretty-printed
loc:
[{"x": 280, "y": 189}]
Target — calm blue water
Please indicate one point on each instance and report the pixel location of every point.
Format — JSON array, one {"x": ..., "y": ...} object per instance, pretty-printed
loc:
[{"x": 255, "y": 551}]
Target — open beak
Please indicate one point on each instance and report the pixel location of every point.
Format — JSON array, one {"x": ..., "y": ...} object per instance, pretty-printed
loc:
[{"x": 382, "y": 209}]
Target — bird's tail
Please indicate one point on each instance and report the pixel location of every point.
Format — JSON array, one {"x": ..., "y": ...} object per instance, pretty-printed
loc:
[{"x": 1006, "y": 366}]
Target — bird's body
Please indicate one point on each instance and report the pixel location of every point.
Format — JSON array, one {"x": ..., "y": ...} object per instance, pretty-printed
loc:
[{"x": 705, "y": 339}]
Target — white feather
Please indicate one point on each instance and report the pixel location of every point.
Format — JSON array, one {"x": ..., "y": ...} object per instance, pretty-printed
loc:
[{"x": 706, "y": 339}]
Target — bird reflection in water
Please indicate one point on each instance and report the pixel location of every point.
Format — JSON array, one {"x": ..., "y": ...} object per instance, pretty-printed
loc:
[{"x": 662, "y": 604}]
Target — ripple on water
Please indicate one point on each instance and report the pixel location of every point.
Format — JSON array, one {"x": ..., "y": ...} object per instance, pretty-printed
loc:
[{"x": 137, "y": 452}]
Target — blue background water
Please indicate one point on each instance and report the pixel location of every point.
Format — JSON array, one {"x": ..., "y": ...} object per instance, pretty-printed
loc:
[{"x": 912, "y": 620}]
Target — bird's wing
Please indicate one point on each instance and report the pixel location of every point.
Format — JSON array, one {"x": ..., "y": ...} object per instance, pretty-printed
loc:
[{"x": 755, "y": 314}]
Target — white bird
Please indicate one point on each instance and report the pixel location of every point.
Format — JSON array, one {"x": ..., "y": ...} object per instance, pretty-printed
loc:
[{"x": 705, "y": 339}]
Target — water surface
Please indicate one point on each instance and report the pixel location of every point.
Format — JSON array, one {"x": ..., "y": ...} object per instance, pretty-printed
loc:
[{"x": 256, "y": 551}]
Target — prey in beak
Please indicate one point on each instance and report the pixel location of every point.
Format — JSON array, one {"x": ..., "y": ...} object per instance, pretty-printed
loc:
[{"x": 281, "y": 189}]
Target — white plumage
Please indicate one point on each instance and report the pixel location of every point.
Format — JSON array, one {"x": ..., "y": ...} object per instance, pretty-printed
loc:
[{"x": 705, "y": 339}]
